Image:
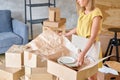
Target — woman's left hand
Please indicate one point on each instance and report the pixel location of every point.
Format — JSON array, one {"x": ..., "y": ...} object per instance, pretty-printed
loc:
[{"x": 80, "y": 59}]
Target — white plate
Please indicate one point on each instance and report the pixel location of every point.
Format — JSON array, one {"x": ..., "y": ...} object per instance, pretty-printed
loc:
[
  {"x": 67, "y": 60},
  {"x": 75, "y": 64}
]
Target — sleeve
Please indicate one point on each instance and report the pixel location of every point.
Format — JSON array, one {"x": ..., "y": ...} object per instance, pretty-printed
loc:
[{"x": 97, "y": 12}]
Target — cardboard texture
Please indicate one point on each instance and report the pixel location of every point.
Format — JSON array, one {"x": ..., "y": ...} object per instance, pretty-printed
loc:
[
  {"x": 14, "y": 54},
  {"x": 55, "y": 24},
  {"x": 108, "y": 76},
  {"x": 33, "y": 59},
  {"x": 114, "y": 65},
  {"x": 51, "y": 15},
  {"x": 68, "y": 73},
  {"x": 54, "y": 14},
  {"x": 43, "y": 78},
  {"x": 37, "y": 74},
  {"x": 46, "y": 40},
  {"x": 56, "y": 30},
  {"x": 47, "y": 45},
  {"x": 83, "y": 72},
  {"x": 10, "y": 73},
  {"x": 40, "y": 70}
]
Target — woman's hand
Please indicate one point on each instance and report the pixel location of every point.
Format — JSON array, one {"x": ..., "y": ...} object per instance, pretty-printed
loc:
[
  {"x": 80, "y": 59},
  {"x": 67, "y": 34},
  {"x": 73, "y": 31}
]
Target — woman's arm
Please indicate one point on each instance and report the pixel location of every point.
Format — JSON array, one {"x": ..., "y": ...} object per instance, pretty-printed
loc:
[
  {"x": 94, "y": 34},
  {"x": 73, "y": 31}
]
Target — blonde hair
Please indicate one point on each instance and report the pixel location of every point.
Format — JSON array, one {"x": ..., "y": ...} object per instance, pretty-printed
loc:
[{"x": 91, "y": 5}]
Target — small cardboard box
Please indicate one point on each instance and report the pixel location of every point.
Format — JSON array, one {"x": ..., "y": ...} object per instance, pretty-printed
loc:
[
  {"x": 57, "y": 24},
  {"x": 54, "y": 14},
  {"x": 51, "y": 15},
  {"x": 57, "y": 30},
  {"x": 10, "y": 73},
  {"x": 14, "y": 56},
  {"x": 84, "y": 72},
  {"x": 37, "y": 74},
  {"x": 33, "y": 59}
]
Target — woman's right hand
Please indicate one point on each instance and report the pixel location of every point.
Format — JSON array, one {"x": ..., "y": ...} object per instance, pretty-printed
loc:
[
  {"x": 73, "y": 31},
  {"x": 67, "y": 34}
]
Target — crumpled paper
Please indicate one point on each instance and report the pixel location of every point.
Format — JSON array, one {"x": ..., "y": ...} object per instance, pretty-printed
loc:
[
  {"x": 105, "y": 69},
  {"x": 47, "y": 43}
]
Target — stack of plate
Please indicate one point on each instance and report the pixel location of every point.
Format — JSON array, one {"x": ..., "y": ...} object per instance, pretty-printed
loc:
[{"x": 68, "y": 61}]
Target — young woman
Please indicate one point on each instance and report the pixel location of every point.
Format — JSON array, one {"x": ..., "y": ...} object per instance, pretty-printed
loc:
[{"x": 89, "y": 26}]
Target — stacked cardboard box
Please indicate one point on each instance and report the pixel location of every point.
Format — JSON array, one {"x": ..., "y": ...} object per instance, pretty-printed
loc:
[
  {"x": 24, "y": 61},
  {"x": 55, "y": 22},
  {"x": 36, "y": 54},
  {"x": 12, "y": 69},
  {"x": 35, "y": 66}
]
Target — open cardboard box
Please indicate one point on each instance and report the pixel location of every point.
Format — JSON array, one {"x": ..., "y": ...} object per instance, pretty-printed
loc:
[{"x": 83, "y": 72}]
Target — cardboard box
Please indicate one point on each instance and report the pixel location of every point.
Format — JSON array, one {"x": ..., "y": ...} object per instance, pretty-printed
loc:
[
  {"x": 10, "y": 73},
  {"x": 107, "y": 76},
  {"x": 54, "y": 14},
  {"x": 67, "y": 73},
  {"x": 55, "y": 24},
  {"x": 38, "y": 70},
  {"x": 114, "y": 65},
  {"x": 14, "y": 56},
  {"x": 43, "y": 78},
  {"x": 33, "y": 59},
  {"x": 37, "y": 74},
  {"x": 112, "y": 77},
  {"x": 85, "y": 71},
  {"x": 56, "y": 30},
  {"x": 47, "y": 45}
]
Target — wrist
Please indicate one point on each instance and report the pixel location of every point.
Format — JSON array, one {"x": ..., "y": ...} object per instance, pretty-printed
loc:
[{"x": 82, "y": 53}]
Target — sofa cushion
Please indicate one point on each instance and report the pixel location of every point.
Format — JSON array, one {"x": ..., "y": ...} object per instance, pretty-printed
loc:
[
  {"x": 5, "y": 21},
  {"x": 9, "y": 38}
]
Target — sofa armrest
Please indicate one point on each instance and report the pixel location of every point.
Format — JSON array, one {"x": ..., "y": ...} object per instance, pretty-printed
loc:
[{"x": 20, "y": 29}]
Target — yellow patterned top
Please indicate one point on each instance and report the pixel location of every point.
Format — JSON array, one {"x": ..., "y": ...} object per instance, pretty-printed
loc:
[{"x": 84, "y": 23}]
